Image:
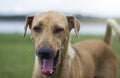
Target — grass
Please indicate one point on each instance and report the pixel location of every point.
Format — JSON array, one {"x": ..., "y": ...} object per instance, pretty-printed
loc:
[{"x": 17, "y": 54}]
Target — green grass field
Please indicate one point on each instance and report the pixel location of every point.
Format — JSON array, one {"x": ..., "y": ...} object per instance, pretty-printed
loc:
[{"x": 17, "y": 54}]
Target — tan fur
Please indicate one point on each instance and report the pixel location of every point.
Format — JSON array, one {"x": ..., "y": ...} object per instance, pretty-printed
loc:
[
  {"x": 86, "y": 59},
  {"x": 111, "y": 24}
]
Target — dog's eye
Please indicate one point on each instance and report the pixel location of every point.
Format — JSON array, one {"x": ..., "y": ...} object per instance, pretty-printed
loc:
[
  {"x": 58, "y": 30},
  {"x": 37, "y": 29}
]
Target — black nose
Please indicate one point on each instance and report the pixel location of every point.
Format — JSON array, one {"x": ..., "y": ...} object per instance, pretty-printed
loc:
[{"x": 44, "y": 52}]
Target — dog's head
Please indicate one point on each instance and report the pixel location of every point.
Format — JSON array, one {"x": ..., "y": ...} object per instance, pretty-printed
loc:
[{"x": 50, "y": 33}]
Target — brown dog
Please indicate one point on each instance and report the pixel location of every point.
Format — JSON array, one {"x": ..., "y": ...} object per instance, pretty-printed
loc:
[{"x": 56, "y": 58}]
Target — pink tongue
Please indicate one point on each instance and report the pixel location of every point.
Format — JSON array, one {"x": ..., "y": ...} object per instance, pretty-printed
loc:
[{"x": 47, "y": 67}]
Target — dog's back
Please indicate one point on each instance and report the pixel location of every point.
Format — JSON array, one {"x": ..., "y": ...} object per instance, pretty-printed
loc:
[{"x": 97, "y": 55}]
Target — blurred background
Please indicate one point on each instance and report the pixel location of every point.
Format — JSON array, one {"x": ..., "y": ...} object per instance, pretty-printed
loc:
[
  {"x": 17, "y": 54},
  {"x": 91, "y": 13}
]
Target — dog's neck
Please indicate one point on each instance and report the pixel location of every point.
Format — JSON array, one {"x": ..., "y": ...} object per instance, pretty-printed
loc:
[{"x": 65, "y": 62}]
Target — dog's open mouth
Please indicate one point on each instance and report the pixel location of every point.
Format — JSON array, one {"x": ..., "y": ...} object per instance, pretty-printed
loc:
[{"x": 49, "y": 65}]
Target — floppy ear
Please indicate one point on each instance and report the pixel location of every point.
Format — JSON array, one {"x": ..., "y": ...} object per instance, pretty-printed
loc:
[
  {"x": 28, "y": 22},
  {"x": 73, "y": 23}
]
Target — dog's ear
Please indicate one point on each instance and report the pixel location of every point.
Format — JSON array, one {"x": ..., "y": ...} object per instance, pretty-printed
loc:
[
  {"x": 73, "y": 23},
  {"x": 28, "y": 22}
]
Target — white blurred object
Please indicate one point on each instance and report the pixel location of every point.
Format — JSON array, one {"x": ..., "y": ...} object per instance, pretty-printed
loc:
[{"x": 99, "y": 8}]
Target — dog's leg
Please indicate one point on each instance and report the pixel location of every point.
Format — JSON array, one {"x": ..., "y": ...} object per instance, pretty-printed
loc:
[
  {"x": 108, "y": 67},
  {"x": 108, "y": 71}
]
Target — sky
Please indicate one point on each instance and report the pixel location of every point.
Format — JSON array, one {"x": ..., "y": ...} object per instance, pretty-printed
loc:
[{"x": 99, "y": 8}]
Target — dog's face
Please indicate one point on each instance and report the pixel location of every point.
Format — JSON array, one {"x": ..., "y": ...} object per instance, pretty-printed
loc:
[{"x": 50, "y": 31}]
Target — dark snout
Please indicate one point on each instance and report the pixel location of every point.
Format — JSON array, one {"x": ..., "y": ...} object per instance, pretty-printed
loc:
[{"x": 44, "y": 52}]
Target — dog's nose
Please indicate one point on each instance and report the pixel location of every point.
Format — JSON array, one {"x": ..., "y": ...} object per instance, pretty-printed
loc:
[{"x": 44, "y": 52}]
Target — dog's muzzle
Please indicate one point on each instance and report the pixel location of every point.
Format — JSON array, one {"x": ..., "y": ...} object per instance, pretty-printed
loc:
[{"x": 48, "y": 60}]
